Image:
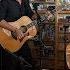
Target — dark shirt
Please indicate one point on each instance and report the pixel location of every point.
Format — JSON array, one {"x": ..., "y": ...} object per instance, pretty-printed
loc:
[{"x": 11, "y": 10}]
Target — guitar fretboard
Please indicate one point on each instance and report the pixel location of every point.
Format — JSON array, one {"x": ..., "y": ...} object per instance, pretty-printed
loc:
[{"x": 34, "y": 23}]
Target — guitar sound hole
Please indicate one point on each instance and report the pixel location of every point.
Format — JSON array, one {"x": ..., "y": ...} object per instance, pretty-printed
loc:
[{"x": 22, "y": 28}]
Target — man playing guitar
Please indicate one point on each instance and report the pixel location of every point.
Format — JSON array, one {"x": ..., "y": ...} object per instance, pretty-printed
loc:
[{"x": 10, "y": 11}]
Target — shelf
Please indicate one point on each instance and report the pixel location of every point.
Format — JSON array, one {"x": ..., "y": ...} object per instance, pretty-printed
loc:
[
  {"x": 64, "y": 33},
  {"x": 64, "y": 12},
  {"x": 42, "y": 11},
  {"x": 42, "y": 2},
  {"x": 63, "y": 42}
]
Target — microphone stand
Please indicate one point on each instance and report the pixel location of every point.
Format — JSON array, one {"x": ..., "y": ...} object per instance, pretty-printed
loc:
[
  {"x": 40, "y": 27},
  {"x": 40, "y": 24}
]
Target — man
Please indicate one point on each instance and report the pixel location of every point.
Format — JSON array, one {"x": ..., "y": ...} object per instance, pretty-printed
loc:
[{"x": 10, "y": 11}]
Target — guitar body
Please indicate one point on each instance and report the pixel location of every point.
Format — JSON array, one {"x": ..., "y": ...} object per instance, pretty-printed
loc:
[
  {"x": 68, "y": 55},
  {"x": 11, "y": 44}
]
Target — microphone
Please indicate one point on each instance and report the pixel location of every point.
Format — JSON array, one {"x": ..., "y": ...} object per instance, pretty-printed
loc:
[{"x": 35, "y": 6}]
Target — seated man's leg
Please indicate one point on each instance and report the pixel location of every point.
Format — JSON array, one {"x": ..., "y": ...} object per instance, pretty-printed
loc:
[
  {"x": 25, "y": 52},
  {"x": 8, "y": 62}
]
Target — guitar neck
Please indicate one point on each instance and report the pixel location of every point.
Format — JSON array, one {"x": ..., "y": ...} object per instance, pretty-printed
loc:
[{"x": 33, "y": 23}]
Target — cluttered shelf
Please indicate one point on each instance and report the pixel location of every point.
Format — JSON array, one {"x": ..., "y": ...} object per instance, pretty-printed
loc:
[
  {"x": 42, "y": 2},
  {"x": 64, "y": 12}
]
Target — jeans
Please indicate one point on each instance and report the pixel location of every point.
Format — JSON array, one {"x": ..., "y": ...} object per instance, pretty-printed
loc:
[{"x": 9, "y": 62}]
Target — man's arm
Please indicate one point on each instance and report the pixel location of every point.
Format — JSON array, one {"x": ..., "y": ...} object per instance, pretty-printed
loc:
[
  {"x": 3, "y": 13},
  {"x": 9, "y": 27},
  {"x": 5, "y": 24}
]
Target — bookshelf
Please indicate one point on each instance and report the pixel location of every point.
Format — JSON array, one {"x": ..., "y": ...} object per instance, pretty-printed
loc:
[
  {"x": 58, "y": 59},
  {"x": 62, "y": 32},
  {"x": 46, "y": 56}
]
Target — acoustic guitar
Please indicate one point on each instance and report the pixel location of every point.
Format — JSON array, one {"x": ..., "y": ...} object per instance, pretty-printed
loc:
[
  {"x": 8, "y": 39},
  {"x": 68, "y": 55}
]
